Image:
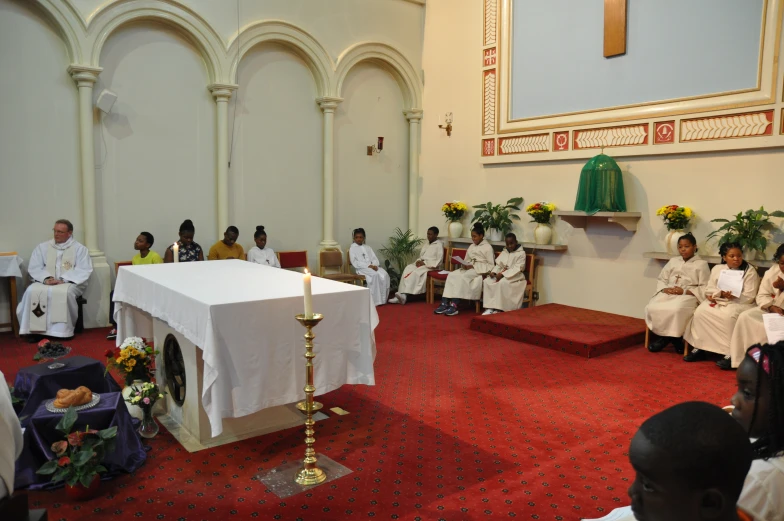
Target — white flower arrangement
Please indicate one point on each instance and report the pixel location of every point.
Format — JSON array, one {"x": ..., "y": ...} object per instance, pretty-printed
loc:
[{"x": 135, "y": 342}]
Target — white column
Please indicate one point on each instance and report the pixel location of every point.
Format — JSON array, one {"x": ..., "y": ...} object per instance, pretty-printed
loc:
[
  {"x": 328, "y": 106},
  {"x": 222, "y": 93},
  {"x": 414, "y": 116}
]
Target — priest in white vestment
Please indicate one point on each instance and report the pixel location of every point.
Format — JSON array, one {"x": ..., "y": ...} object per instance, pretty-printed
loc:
[
  {"x": 12, "y": 444},
  {"x": 365, "y": 262},
  {"x": 414, "y": 277},
  {"x": 504, "y": 287},
  {"x": 60, "y": 269},
  {"x": 679, "y": 290},
  {"x": 750, "y": 329}
]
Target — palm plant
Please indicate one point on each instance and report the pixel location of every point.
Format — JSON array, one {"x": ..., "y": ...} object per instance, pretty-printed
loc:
[
  {"x": 747, "y": 228},
  {"x": 400, "y": 250},
  {"x": 497, "y": 216}
]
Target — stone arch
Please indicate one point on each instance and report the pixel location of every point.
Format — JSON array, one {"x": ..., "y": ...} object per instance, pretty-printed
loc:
[
  {"x": 66, "y": 23},
  {"x": 389, "y": 59},
  {"x": 290, "y": 36}
]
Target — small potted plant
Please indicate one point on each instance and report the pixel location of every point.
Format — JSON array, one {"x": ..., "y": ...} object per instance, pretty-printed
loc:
[
  {"x": 78, "y": 460},
  {"x": 134, "y": 360},
  {"x": 144, "y": 397},
  {"x": 676, "y": 219},
  {"x": 453, "y": 212},
  {"x": 748, "y": 228},
  {"x": 497, "y": 219},
  {"x": 541, "y": 213},
  {"x": 401, "y": 249}
]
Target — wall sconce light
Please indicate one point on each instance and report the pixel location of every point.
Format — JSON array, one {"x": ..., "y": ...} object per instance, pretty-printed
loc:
[
  {"x": 376, "y": 148},
  {"x": 448, "y": 121}
]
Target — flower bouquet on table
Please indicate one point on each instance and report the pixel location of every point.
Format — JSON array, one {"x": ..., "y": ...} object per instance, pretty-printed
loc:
[
  {"x": 144, "y": 396},
  {"x": 78, "y": 460},
  {"x": 134, "y": 359},
  {"x": 454, "y": 211},
  {"x": 541, "y": 213},
  {"x": 675, "y": 217}
]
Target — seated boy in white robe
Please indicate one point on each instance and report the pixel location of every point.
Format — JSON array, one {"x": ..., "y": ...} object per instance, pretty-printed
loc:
[
  {"x": 504, "y": 287},
  {"x": 466, "y": 282},
  {"x": 414, "y": 277},
  {"x": 365, "y": 262},
  {"x": 750, "y": 329},
  {"x": 60, "y": 269},
  {"x": 260, "y": 254},
  {"x": 679, "y": 290}
]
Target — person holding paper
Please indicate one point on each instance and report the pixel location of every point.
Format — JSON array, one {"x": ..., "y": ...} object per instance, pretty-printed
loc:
[
  {"x": 504, "y": 287},
  {"x": 466, "y": 282},
  {"x": 710, "y": 329},
  {"x": 750, "y": 329},
  {"x": 414, "y": 277},
  {"x": 364, "y": 260},
  {"x": 679, "y": 290}
]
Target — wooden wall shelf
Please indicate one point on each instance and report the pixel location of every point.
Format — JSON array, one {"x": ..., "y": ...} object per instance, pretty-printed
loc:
[
  {"x": 526, "y": 245},
  {"x": 577, "y": 219},
  {"x": 663, "y": 255}
]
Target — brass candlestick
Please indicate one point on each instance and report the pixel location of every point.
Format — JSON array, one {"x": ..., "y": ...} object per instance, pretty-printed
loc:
[{"x": 310, "y": 474}]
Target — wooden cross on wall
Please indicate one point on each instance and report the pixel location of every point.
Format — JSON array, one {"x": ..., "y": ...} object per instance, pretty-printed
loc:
[{"x": 614, "y": 28}]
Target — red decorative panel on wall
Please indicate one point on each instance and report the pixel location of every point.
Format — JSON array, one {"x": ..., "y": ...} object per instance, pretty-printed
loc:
[
  {"x": 560, "y": 141},
  {"x": 663, "y": 132},
  {"x": 626, "y": 136}
]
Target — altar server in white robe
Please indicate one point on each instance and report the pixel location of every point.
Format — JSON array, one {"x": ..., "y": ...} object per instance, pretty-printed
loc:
[
  {"x": 750, "y": 329},
  {"x": 679, "y": 290},
  {"x": 504, "y": 287},
  {"x": 260, "y": 254},
  {"x": 60, "y": 268},
  {"x": 414, "y": 277},
  {"x": 710, "y": 329},
  {"x": 466, "y": 282},
  {"x": 11, "y": 434},
  {"x": 365, "y": 262}
]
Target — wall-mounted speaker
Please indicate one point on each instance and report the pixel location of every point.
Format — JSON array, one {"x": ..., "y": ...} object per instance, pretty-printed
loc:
[{"x": 105, "y": 100}]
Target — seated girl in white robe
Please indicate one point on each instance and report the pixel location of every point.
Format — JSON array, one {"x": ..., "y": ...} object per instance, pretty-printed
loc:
[
  {"x": 260, "y": 254},
  {"x": 414, "y": 277},
  {"x": 750, "y": 329},
  {"x": 711, "y": 326},
  {"x": 679, "y": 290},
  {"x": 466, "y": 282},
  {"x": 365, "y": 262},
  {"x": 762, "y": 415},
  {"x": 504, "y": 287}
]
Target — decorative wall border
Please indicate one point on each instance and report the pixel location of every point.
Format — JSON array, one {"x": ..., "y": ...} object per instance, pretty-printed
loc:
[{"x": 692, "y": 126}]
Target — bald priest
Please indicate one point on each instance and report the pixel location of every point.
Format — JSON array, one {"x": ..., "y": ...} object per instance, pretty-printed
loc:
[{"x": 60, "y": 269}]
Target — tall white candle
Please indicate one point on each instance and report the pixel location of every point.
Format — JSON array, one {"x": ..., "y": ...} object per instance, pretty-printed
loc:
[
  {"x": 308, "y": 295},
  {"x": 176, "y": 252}
]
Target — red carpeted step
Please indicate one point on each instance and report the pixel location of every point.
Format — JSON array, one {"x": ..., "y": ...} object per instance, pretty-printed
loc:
[{"x": 577, "y": 331}]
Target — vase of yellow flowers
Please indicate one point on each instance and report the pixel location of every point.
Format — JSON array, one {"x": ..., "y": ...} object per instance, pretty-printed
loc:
[
  {"x": 134, "y": 360},
  {"x": 676, "y": 219},
  {"x": 541, "y": 213},
  {"x": 454, "y": 212}
]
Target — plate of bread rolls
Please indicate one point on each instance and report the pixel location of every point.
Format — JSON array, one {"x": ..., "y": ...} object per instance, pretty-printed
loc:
[{"x": 80, "y": 398}]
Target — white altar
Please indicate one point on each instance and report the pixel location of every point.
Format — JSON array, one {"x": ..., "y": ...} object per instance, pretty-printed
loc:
[{"x": 241, "y": 348}]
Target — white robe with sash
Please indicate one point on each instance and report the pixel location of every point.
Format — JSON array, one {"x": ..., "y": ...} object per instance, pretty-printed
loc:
[
  {"x": 377, "y": 281},
  {"x": 668, "y": 315},
  {"x": 750, "y": 329},
  {"x": 711, "y": 327},
  {"x": 52, "y": 310},
  {"x": 266, "y": 257},
  {"x": 506, "y": 294},
  {"x": 413, "y": 280},
  {"x": 467, "y": 284}
]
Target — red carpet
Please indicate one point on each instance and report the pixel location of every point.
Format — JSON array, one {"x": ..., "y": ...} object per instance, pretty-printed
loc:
[
  {"x": 577, "y": 331},
  {"x": 461, "y": 426}
]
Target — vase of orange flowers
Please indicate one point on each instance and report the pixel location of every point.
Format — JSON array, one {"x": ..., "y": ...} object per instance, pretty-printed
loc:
[
  {"x": 134, "y": 360},
  {"x": 676, "y": 219}
]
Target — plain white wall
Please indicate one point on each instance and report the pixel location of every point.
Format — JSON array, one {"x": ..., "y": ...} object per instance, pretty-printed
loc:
[
  {"x": 275, "y": 177},
  {"x": 603, "y": 268}
]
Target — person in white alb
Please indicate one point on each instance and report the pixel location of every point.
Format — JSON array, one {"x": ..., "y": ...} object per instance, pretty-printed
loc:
[
  {"x": 679, "y": 290},
  {"x": 260, "y": 254},
  {"x": 710, "y": 328},
  {"x": 11, "y": 434},
  {"x": 60, "y": 269},
  {"x": 504, "y": 287},
  {"x": 414, "y": 277},
  {"x": 365, "y": 262}
]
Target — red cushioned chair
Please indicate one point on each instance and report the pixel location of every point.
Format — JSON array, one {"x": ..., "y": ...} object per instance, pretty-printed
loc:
[
  {"x": 429, "y": 297},
  {"x": 530, "y": 279},
  {"x": 438, "y": 280},
  {"x": 292, "y": 260}
]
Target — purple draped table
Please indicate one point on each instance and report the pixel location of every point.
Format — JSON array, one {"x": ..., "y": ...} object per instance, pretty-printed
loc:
[
  {"x": 37, "y": 383},
  {"x": 129, "y": 453}
]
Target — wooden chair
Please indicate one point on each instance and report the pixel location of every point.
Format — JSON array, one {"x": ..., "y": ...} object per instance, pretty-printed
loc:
[
  {"x": 292, "y": 260},
  {"x": 530, "y": 279},
  {"x": 13, "y": 321},
  {"x": 438, "y": 280},
  {"x": 429, "y": 297},
  {"x": 332, "y": 259},
  {"x": 118, "y": 265}
]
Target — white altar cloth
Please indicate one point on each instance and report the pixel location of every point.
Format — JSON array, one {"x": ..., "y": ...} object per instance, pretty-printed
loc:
[
  {"x": 241, "y": 315},
  {"x": 10, "y": 266}
]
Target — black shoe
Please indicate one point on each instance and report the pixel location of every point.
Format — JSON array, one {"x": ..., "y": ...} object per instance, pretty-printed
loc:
[
  {"x": 725, "y": 364},
  {"x": 658, "y": 344},
  {"x": 443, "y": 308},
  {"x": 677, "y": 343},
  {"x": 694, "y": 356}
]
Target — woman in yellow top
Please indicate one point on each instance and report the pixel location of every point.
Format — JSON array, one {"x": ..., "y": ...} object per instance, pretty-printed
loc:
[{"x": 228, "y": 247}]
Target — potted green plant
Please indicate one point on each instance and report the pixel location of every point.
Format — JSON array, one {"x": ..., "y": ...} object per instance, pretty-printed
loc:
[
  {"x": 78, "y": 460},
  {"x": 400, "y": 250},
  {"x": 748, "y": 229},
  {"x": 497, "y": 219}
]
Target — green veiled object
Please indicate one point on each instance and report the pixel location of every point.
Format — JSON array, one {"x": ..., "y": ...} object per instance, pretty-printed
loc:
[{"x": 601, "y": 187}]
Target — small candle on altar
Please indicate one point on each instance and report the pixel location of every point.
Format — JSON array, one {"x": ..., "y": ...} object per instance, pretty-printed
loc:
[
  {"x": 308, "y": 295},
  {"x": 176, "y": 252}
]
